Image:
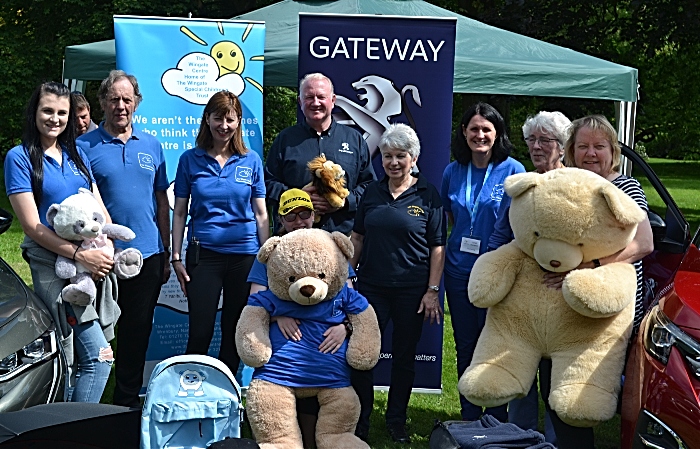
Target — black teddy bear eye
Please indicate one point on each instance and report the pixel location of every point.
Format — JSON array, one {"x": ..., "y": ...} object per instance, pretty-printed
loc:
[
  {"x": 321, "y": 276},
  {"x": 292, "y": 278}
]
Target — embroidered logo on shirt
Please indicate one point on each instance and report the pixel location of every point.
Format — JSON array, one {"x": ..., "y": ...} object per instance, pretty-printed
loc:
[
  {"x": 337, "y": 307},
  {"x": 415, "y": 211},
  {"x": 146, "y": 161},
  {"x": 497, "y": 192},
  {"x": 244, "y": 175},
  {"x": 73, "y": 168},
  {"x": 346, "y": 148}
]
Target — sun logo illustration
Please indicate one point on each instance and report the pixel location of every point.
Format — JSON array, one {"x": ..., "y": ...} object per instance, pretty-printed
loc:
[{"x": 199, "y": 75}]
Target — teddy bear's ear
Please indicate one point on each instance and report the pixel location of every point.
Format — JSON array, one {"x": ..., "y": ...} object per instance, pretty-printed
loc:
[
  {"x": 52, "y": 212},
  {"x": 520, "y": 183},
  {"x": 624, "y": 208},
  {"x": 267, "y": 248},
  {"x": 344, "y": 243}
]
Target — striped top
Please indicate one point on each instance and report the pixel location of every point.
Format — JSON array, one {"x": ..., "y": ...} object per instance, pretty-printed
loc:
[{"x": 634, "y": 190}]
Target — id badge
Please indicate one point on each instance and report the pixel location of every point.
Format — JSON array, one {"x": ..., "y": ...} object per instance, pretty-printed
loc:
[{"x": 470, "y": 245}]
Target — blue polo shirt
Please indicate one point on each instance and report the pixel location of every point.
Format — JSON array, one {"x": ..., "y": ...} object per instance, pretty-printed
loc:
[
  {"x": 399, "y": 233},
  {"x": 221, "y": 211},
  {"x": 60, "y": 180},
  {"x": 296, "y": 363},
  {"x": 453, "y": 192},
  {"x": 128, "y": 174},
  {"x": 258, "y": 273}
]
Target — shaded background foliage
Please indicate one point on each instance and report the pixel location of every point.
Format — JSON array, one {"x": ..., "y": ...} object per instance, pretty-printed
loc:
[{"x": 661, "y": 38}]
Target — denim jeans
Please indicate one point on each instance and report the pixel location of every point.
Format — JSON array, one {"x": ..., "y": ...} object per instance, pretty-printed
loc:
[
  {"x": 94, "y": 364},
  {"x": 467, "y": 323}
]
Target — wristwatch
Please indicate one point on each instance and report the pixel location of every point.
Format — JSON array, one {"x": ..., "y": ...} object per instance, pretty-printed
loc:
[
  {"x": 435, "y": 288},
  {"x": 348, "y": 328}
]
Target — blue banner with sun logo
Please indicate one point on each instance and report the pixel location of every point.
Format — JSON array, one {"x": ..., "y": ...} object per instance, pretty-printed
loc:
[{"x": 179, "y": 65}]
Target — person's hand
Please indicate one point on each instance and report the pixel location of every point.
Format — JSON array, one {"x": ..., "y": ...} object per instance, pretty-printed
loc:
[
  {"x": 289, "y": 327},
  {"x": 335, "y": 336},
  {"x": 97, "y": 261},
  {"x": 166, "y": 270},
  {"x": 431, "y": 306},
  {"x": 182, "y": 277},
  {"x": 321, "y": 204},
  {"x": 554, "y": 280}
]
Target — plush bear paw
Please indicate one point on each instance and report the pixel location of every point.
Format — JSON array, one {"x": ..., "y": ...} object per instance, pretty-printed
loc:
[
  {"x": 65, "y": 268},
  {"x": 583, "y": 405},
  {"x": 74, "y": 294},
  {"x": 489, "y": 385},
  {"x": 128, "y": 263},
  {"x": 600, "y": 292}
]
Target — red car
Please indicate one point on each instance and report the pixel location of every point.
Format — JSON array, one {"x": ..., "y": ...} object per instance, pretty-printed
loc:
[{"x": 660, "y": 397}]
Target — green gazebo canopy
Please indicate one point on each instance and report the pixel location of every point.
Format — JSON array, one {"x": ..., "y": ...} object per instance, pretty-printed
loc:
[{"x": 488, "y": 60}]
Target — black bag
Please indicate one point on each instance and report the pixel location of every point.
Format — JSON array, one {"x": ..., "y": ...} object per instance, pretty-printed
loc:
[
  {"x": 192, "y": 254},
  {"x": 486, "y": 433},
  {"x": 234, "y": 443},
  {"x": 441, "y": 438}
]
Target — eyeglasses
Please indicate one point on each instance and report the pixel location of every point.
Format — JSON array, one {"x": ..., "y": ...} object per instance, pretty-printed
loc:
[
  {"x": 304, "y": 215},
  {"x": 542, "y": 140}
]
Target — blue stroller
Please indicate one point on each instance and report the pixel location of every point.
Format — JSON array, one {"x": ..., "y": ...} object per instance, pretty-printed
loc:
[{"x": 192, "y": 401}]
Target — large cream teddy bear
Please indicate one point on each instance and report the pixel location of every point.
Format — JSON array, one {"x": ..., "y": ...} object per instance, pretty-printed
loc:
[
  {"x": 307, "y": 271},
  {"x": 560, "y": 219}
]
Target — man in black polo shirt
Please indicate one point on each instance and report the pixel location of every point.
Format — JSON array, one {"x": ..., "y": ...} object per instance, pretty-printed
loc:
[{"x": 295, "y": 146}]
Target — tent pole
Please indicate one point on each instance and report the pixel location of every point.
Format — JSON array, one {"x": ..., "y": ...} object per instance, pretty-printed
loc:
[{"x": 625, "y": 115}]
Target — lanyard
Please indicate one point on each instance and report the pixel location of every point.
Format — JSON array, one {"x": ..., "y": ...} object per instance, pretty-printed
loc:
[{"x": 475, "y": 206}]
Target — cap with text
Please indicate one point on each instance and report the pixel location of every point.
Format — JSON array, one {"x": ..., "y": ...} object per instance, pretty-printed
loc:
[{"x": 293, "y": 198}]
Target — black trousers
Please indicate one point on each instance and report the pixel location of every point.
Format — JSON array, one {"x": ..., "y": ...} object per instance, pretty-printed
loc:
[
  {"x": 137, "y": 300},
  {"x": 401, "y": 306},
  {"x": 214, "y": 272},
  {"x": 568, "y": 437}
]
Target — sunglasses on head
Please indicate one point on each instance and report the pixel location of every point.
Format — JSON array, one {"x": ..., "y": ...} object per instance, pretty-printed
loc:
[{"x": 304, "y": 215}]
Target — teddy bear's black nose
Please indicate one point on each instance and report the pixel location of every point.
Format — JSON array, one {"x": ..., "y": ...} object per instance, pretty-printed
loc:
[
  {"x": 307, "y": 290},
  {"x": 554, "y": 263}
]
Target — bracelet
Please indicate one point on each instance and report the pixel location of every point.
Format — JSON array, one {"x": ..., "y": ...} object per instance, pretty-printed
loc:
[
  {"x": 172, "y": 261},
  {"x": 75, "y": 252}
]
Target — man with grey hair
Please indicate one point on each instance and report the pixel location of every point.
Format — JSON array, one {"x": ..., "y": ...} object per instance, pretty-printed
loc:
[
  {"x": 129, "y": 167},
  {"x": 318, "y": 134}
]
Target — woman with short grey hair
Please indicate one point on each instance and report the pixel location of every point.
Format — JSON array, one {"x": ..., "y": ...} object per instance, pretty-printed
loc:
[
  {"x": 399, "y": 239},
  {"x": 400, "y": 136}
]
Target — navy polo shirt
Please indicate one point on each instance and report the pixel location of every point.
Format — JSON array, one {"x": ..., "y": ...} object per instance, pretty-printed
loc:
[
  {"x": 398, "y": 233},
  {"x": 128, "y": 174},
  {"x": 60, "y": 180},
  {"x": 221, "y": 211},
  {"x": 294, "y": 147}
]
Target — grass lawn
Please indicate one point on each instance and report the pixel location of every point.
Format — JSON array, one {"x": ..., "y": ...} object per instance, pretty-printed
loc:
[{"x": 681, "y": 179}]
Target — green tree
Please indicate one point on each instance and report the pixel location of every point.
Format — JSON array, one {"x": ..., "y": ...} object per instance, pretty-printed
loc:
[{"x": 33, "y": 37}]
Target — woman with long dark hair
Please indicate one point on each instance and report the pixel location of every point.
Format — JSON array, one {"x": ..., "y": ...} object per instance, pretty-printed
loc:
[
  {"x": 228, "y": 219},
  {"x": 43, "y": 170},
  {"x": 472, "y": 190}
]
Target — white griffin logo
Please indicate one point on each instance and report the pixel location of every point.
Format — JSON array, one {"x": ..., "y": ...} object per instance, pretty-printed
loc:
[{"x": 384, "y": 101}]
